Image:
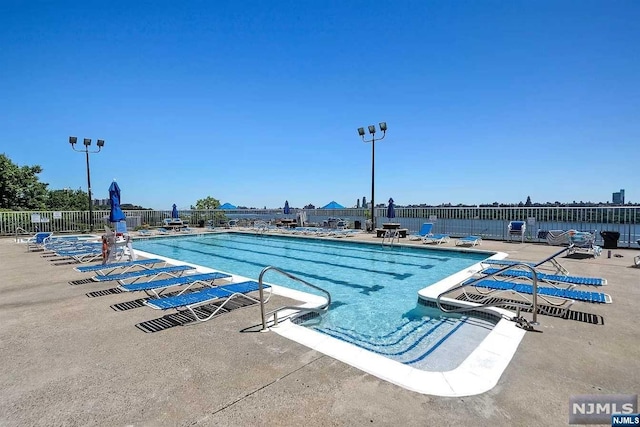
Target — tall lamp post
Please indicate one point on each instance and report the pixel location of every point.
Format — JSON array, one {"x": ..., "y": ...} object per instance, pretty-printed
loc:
[
  {"x": 372, "y": 132},
  {"x": 87, "y": 142}
]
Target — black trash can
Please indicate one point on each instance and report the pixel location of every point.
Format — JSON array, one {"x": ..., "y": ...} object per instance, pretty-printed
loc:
[
  {"x": 357, "y": 225},
  {"x": 610, "y": 239},
  {"x": 201, "y": 223}
]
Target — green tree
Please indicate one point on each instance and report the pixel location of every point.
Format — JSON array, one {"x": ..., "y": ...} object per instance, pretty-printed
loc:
[
  {"x": 68, "y": 200},
  {"x": 207, "y": 203},
  {"x": 20, "y": 187}
]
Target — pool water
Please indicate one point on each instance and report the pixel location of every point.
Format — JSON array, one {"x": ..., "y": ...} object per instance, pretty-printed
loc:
[{"x": 374, "y": 289}]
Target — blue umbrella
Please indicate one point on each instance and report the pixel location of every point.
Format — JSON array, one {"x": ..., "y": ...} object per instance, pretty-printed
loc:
[
  {"x": 174, "y": 212},
  {"x": 286, "y": 210},
  {"x": 116, "y": 214},
  {"x": 391, "y": 210},
  {"x": 228, "y": 206}
]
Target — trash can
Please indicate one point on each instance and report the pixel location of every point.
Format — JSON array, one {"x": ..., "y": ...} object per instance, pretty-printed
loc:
[
  {"x": 357, "y": 225},
  {"x": 201, "y": 223},
  {"x": 610, "y": 239}
]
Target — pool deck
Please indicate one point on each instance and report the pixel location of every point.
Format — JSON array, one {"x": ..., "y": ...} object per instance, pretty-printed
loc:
[{"x": 69, "y": 358}]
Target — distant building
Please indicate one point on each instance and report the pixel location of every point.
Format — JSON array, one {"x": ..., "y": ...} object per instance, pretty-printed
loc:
[{"x": 618, "y": 198}]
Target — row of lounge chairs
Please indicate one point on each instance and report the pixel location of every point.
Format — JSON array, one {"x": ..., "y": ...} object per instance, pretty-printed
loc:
[
  {"x": 426, "y": 236},
  {"x": 178, "y": 287},
  {"x": 558, "y": 289}
]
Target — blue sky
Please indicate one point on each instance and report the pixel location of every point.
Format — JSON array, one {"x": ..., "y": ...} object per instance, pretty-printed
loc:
[{"x": 258, "y": 102}]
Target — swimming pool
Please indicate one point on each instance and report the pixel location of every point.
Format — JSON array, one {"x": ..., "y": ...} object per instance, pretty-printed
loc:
[{"x": 374, "y": 290}]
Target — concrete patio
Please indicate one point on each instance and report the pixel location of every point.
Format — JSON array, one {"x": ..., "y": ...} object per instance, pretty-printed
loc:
[{"x": 69, "y": 358}]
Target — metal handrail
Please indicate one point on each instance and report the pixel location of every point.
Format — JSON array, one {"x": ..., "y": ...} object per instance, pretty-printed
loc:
[
  {"x": 391, "y": 235},
  {"x": 23, "y": 232},
  {"x": 534, "y": 295},
  {"x": 322, "y": 309}
]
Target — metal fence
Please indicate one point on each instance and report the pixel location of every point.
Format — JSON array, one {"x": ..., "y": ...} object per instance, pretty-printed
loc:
[{"x": 488, "y": 222}]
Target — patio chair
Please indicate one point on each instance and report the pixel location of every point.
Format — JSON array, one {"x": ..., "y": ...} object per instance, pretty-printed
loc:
[
  {"x": 517, "y": 228},
  {"x": 425, "y": 230},
  {"x": 220, "y": 295},
  {"x": 469, "y": 241},
  {"x": 156, "y": 288}
]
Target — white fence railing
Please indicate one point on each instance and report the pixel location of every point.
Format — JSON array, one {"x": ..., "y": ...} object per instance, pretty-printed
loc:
[{"x": 489, "y": 222}]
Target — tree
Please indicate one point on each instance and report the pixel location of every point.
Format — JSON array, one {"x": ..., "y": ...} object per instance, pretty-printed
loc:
[
  {"x": 20, "y": 187},
  {"x": 207, "y": 203},
  {"x": 528, "y": 202},
  {"x": 67, "y": 200}
]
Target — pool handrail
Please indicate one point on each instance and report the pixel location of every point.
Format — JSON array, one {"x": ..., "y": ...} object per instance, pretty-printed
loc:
[
  {"x": 320, "y": 310},
  {"x": 517, "y": 318}
]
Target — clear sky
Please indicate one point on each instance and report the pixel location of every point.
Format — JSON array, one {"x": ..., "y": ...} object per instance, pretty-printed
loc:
[{"x": 258, "y": 102}]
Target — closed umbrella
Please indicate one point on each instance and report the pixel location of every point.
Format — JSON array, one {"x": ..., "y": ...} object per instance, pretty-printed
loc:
[
  {"x": 174, "y": 212},
  {"x": 286, "y": 209},
  {"x": 391, "y": 210},
  {"x": 115, "y": 214}
]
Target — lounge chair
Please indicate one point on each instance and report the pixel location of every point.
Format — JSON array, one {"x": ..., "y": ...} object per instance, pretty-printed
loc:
[
  {"x": 469, "y": 241},
  {"x": 436, "y": 238},
  {"x": 558, "y": 237},
  {"x": 106, "y": 269},
  {"x": 36, "y": 242},
  {"x": 425, "y": 230},
  {"x": 173, "y": 271},
  {"x": 82, "y": 255},
  {"x": 584, "y": 241},
  {"x": 551, "y": 259},
  {"x": 549, "y": 278},
  {"x": 156, "y": 288},
  {"x": 546, "y": 293},
  {"x": 219, "y": 294},
  {"x": 517, "y": 228}
]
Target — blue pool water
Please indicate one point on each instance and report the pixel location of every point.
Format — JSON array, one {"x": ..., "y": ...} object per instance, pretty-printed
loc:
[{"x": 373, "y": 288}]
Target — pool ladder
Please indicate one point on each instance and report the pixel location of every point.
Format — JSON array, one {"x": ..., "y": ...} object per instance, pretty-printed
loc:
[
  {"x": 521, "y": 321},
  {"x": 390, "y": 236},
  {"x": 319, "y": 310}
]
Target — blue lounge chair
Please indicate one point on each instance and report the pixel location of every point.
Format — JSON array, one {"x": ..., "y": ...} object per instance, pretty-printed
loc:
[
  {"x": 425, "y": 230},
  {"x": 106, "y": 269},
  {"x": 469, "y": 240},
  {"x": 550, "y": 278},
  {"x": 36, "y": 242},
  {"x": 218, "y": 294},
  {"x": 173, "y": 271},
  {"x": 156, "y": 288},
  {"x": 545, "y": 292},
  {"x": 517, "y": 228}
]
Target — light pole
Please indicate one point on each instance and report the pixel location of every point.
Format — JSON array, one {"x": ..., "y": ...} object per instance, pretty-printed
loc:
[
  {"x": 372, "y": 131},
  {"x": 87, "y": 142}
]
